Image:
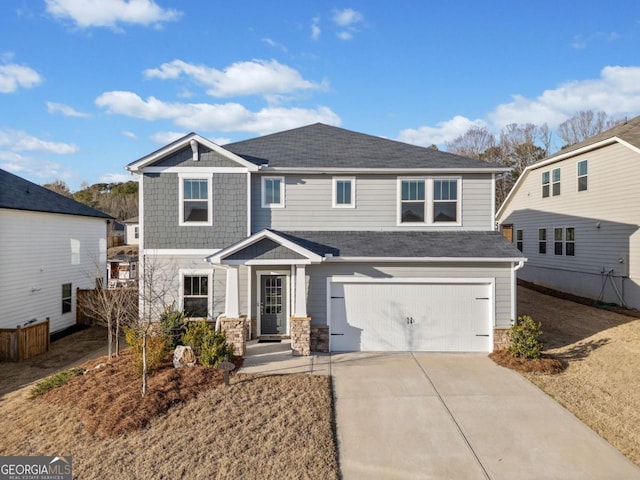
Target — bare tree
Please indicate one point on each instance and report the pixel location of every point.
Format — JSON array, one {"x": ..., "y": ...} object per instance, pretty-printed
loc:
[
  {"x": 472, "y": 143},
  {"x": 585, "y": 124},
  {"x": 60, "y": 187}
]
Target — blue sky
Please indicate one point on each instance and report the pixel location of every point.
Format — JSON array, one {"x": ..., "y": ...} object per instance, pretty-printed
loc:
[{"x": 87, "y": 86}]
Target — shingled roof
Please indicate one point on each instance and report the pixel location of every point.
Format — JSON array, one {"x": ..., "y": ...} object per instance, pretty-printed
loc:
[
  {"x": 325, "y": 146},
  {"x": 19, "y": 194}
]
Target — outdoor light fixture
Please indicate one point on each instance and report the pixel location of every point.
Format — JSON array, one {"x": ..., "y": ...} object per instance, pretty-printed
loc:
[{"x": 194, "y": 149}]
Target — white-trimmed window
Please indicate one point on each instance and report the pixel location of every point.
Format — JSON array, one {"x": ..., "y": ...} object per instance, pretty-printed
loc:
[
  {"x": 570, "y": 241},
  {"x": 195, "y": 199},
  {"x": 67, "y": 297},
  {"x": 558, "y": 239},
  {"x": 555, "y": 182},
  {"x": 196, "y": 289},
  {"x": 545, "y": 184},
  {"x": 273, "y": 192},
  {"x": 136, "y": 232},
  {"x": 582, "y": 175},
  {"x": 519, "y": 240},
  {"x": 542, "y": 241},
  {"x": 412, "y": 201},
  {"x": 445, "y": 201},
  {"x": 344, "y": 192}
]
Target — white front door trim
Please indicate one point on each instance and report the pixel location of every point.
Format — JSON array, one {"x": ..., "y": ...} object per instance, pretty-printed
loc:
[{"x": 261, "y": 273}]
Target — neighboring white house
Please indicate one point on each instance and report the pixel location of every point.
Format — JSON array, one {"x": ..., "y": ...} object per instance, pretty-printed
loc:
[
  {"x": 575, "y": 216},
  {"x": 50, "y": 246},
  {"x": 132, "y": 231}
]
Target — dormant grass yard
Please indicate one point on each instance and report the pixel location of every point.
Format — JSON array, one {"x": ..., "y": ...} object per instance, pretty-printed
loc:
[
  {"x": 259, "y": 427},
  {"x": 601, "y": 384}
]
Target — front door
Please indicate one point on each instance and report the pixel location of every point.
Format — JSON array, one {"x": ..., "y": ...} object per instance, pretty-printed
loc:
[{"x": 273, "y": 305}]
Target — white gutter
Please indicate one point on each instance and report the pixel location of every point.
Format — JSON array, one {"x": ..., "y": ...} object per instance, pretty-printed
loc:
[
  {"x": 423, "y": 259},
  {"x": 311, "y": 170}
]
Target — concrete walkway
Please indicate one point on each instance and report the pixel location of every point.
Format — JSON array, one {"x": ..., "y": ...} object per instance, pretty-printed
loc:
[{"x": 458, "y": 416}]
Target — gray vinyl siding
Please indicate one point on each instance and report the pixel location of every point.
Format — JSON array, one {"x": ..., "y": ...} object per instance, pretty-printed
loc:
[
  {"x": 184, "y": 158},
  {"x": 609, "y": 202},
  {"x": 265, "y": 249},
  {"x": 318, "y": 274},
  {"x": 162, "y": 206},
  {"x": 308, "y": 204}
]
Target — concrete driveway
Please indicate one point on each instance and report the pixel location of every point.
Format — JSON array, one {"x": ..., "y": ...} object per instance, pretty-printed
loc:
[{"x": 458, "y": 416}]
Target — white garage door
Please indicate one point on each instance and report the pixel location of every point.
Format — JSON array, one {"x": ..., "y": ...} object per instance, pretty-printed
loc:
[{"x": 391, "y": 316}]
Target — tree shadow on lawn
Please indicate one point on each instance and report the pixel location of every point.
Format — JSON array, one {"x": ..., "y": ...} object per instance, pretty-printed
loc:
[{"x": 581, "y": 351}]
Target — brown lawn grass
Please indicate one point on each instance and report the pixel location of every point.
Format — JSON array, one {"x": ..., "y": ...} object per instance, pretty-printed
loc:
[
  {"x": 189, "y": 425},
  {"x": 601, "y": 384}
]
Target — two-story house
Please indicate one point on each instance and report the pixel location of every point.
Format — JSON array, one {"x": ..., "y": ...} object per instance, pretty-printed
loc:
[
  {"x": 574, "y": 217},
  {"x": 337, "y": 239}
]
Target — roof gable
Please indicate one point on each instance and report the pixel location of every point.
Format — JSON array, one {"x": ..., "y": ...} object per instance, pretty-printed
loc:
[
  {"x": 20, "y": 194},
  {"x": 180, "y": 151},
  {"x": 324, "y": 146}
]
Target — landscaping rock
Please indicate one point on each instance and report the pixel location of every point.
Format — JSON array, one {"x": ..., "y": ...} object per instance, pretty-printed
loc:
[{"x": 183, "y": 356}]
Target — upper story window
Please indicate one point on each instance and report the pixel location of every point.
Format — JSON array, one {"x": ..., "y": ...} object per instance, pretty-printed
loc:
[
  {"x": 555, "y": 181},
  {"x": 429, "y": 201},
  {"x": 272, "y": 192},
  {"x": 445, "y": 200},
  {"x": 195, "y": 200},
  {"x": 545, "y": 184},
  {"x": 542, "y": 241},
  {"x": 519, "y": 240},
  {"x": 344, "y": 192},
  {"x": 582, "y": 175},
  {"x": 413, "y": 203}
]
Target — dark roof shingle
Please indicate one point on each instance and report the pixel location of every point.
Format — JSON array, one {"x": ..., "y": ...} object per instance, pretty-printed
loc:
[
  {"x": 19, "y": 194},
  {"x": 324, "y": 146}
]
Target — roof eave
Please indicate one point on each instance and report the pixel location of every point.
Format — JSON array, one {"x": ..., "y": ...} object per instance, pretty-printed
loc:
[{"x": 326, "y": 170}]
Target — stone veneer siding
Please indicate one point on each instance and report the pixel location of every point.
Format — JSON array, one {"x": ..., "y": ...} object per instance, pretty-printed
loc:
[
  {"x": 300, "y": 336},
  {"x": 236, "y": 332},
  {"x": 320, "y": 339},
  {"x": 501, "y": 338}
]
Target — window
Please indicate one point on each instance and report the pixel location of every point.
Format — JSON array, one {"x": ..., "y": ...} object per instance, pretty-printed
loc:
[
  {"x": 519, "y": 240},
  {"x": 570, "y": 241},
  {"x": 582, "y": 175},
  {"x": 195, "y": 296},
  {"x": 555, "y": 181},
  {"x": 412, "y": 209},
  {"x": 542, "y": 241},
  {"x": 445, "y": 200},
  {"x": 557, "y": 241},
  {"x": 272, "y": 192},
  {"x": 66, "y": 297},
  {"x": 545, "y": 184},
  {"x": 136, "y": 232},
  {"x": 344, "y": 193},
  {"x": 195, "y": 200}
]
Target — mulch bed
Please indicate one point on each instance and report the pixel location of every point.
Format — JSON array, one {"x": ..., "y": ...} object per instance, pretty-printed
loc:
[
  {"x": 546, "y": 364},
  {"x": 109, "y": 400}
]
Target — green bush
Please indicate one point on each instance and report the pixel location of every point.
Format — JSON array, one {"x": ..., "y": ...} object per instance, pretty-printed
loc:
[
  {"x": 525, "y": 338},
  {"x": 173, "y": 326},
  {"x": 55, "y": 381},
  {"x": 210, "y": 347},
  {"x": 156, "y": 349}
]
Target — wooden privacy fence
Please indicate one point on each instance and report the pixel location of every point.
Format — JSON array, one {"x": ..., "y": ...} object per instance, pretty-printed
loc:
[{"x": 20, "y": 343}]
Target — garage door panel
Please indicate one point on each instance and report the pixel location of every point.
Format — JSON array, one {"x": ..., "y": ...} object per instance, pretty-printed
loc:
[{"x": 410, "y": 317}]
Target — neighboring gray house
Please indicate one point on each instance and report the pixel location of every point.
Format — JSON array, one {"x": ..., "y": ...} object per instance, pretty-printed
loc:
[
  {"x": 575, "y": 216},
  {"x": 50, "y": 245},
  {"x": 337, "y": 239}
]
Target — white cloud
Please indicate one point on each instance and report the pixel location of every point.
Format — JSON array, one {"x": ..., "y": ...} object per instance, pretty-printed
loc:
[
  {"x": 129, "y": 134},
  {"x": 108, "y": 13},
  {"x": 166, "y": 137},
  {"x": 274, "y": 44},
  {"x": 13, "y": 76},
  {"x": 117, "y": 178},
  {"x": 582, "y": 41},
  {"x": 315, "y": 28},
  {"x": 214, "y": 117},
  {"x": 348, "y": 20},
  {"x": 19, "y": 141},
  {"x": 616, "y": 92},
  {"x": 441, "y": 133},
  {"x": 256, "y": 77},
  {"x": 65, "y": 110},
  {"x": 35, "y": 169}
]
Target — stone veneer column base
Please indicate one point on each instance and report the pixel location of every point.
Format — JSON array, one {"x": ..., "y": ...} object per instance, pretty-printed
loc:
[
  {"x": 300, "y": 336},
  {"x": 501, "y": 338},
  {"x": 320, "y": 339},
  {"x": 236, "y": 331}
]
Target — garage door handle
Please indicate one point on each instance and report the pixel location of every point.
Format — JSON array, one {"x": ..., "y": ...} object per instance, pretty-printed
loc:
[
  {"x": 337, "y": 334},
  {"x": 336, "y": 297},
  {"x": 482, "y": 298},
  {"x": 482, "y": 335}
]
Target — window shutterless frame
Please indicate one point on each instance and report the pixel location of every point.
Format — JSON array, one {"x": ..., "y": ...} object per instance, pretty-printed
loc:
[
  {"x": 344, "y": 192},
  {"x": 558, "y": 239},
  {"x": 555, "y": 182},
  {"x": 195, "y": 194},
  {"x": 67, "y": 297},
  {"x": 519, "y": 240},
  {"x": 582, "y": 175},
  {"x": 545, "y": 184},
  {"x": 273, "y": 192},
  {"x": 542, "y": 241},
  {"x": 429, "y": 201}
]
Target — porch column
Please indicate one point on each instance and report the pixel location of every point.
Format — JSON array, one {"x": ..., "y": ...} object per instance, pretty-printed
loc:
[
  {"x": 300, "y": 303},
  {"x": 232, "y": 298}
]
